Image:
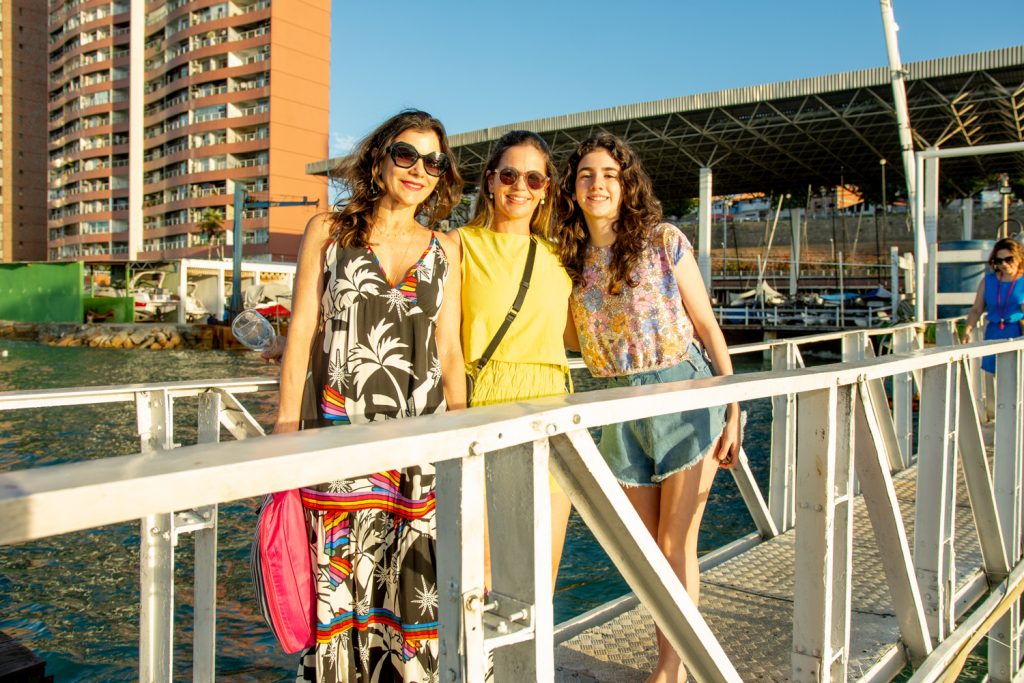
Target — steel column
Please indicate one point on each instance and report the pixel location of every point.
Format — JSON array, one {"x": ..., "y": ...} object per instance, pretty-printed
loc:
[
  {"x": 824, "y": 522},
  {"x": 518, "y": 491},
  {"x": 930, "y": 192},
  {"x": 782, "y": 475},
  {"x": 156, "y": 553},
  {"x": 1004, "y": 649},
  {"x": 204, "y": 599},
  {"x": 903, "y": 398},
  {"x": 936, "y": 474},
  {"x": 704, "y": 227},
  {"x": 460, "y": 567}
]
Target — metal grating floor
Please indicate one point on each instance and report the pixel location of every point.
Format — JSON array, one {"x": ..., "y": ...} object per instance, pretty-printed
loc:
[{"x": 748, "y": 603}]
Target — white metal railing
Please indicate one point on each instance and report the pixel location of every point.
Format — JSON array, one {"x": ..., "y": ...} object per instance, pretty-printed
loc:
[
  {"x": 820, "y": 408},
  {"x": 803, "y": 316}
]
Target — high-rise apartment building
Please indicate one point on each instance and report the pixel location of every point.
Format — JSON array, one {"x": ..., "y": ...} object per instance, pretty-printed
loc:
[
  {"x": 160, "y": 108},
  {"x": 22, "y": 133}
]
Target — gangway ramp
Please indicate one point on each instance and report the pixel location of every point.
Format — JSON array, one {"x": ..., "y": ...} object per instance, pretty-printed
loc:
[{"x": 748, "y": 603}]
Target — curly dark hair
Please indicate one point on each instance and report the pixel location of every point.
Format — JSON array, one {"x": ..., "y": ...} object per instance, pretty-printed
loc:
[
  {"x": 359, "y": 174},
  {"x": 540, "y": 223},
  {"x": 639, "y": 213}
]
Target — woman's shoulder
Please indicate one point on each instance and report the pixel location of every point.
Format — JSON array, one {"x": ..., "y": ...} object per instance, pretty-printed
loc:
[
  {"x": 320, "y": 224},
  {"x": 449, "y": 241},
  {"x": 668, "y": 238}
]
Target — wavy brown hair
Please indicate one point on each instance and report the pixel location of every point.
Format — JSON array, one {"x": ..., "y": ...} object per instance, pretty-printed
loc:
[
  {"x": 639, "y": 213},
  {"x": 359, "y": 174},
  {"x": 540, "y": 223},
  {"x": 1014, "y": 247}
]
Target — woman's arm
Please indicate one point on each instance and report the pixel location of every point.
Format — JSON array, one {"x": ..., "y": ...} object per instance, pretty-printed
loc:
[
  {"x": 307, "y": 291},
  {"x": 448, "y": 335},
  {"x": 705, "y": 326},
  {"x": 975, "y": 313},
  {"x": 569, "y": 337}
]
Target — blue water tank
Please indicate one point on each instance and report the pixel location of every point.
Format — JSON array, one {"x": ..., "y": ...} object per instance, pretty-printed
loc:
[{"x": 962, "y": 276}]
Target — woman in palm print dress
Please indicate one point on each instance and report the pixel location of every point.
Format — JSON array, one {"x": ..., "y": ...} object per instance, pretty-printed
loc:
[{"x": 379, "y": 313}]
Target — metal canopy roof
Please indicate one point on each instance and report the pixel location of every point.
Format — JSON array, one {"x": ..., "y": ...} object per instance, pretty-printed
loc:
[{"x": 817, "y": 131}]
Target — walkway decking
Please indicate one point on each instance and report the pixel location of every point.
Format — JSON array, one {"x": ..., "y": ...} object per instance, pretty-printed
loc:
[{"x": 748, "y": 603}]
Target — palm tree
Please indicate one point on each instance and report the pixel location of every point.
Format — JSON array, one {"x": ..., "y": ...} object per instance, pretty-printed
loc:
[{"x": 212, "y": 227}]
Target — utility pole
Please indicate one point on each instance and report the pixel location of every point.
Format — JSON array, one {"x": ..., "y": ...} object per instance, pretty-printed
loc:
[{"x": 242, "y": 203}]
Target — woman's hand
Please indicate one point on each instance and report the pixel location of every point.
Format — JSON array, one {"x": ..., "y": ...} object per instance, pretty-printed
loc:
[
  {"x": 967, "y": 335},
  {"x": 274, "y": 352},
  {"x": 727, "y": 451},
  {"x": 284, "y": 427}
]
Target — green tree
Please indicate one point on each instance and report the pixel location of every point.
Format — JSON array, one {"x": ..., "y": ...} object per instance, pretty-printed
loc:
[{"x": 211, "y": 225}]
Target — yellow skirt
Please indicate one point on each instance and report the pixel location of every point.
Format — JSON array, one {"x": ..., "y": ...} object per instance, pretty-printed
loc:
[{"x": 501, "y": 382}]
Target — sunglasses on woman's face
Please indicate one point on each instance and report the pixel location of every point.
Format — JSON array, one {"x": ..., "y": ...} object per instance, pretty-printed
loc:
[
  {"x": 535, "y": 180},
  {"x": 405, "y": 156},
  {"x": 997, "y": 260}
]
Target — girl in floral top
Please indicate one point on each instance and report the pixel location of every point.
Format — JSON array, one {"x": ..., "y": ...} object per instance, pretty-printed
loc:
[{"x": 643, "y": 317}]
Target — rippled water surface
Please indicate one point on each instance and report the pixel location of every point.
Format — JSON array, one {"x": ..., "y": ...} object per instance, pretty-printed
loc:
[{"x": 74, "y": 598}]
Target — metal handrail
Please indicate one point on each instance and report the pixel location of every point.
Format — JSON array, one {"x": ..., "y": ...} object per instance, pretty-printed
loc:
[{"x": 140, "y": 486}]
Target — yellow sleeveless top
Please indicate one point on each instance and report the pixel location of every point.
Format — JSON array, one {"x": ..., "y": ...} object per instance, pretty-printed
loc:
[{"x": 492, "y": 269}]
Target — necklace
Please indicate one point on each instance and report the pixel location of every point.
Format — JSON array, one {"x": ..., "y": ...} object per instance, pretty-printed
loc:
[
  {"x": 1001, "y": 308},
  {"x": 409, "y": 242}
]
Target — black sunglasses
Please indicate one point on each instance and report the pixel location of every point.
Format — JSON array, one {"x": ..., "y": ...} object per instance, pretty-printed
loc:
[
  {"x": 996, "y": 260},
  {"x": 535, "y": 180},
  {"x": 405, "y": 156}
]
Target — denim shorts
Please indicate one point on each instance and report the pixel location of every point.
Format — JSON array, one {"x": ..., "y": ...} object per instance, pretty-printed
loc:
[{"x": 647, "y": 451}]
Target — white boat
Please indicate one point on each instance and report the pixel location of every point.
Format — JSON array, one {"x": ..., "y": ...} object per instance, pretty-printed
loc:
[{"x": 152, "y": 301}]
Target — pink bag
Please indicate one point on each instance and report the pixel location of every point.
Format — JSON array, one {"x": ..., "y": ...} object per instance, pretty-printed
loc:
[{"x": 282, "y": 567}]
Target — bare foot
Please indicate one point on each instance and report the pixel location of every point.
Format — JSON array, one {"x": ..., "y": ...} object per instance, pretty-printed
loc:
[{"x": 671, "y": 671}]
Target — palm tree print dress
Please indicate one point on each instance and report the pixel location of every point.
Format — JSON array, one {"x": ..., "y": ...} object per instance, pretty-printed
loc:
[{"x": 376, "y": 359}]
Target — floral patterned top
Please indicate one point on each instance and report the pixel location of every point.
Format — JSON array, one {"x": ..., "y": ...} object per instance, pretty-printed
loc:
[{"x": 642, "y": 328}]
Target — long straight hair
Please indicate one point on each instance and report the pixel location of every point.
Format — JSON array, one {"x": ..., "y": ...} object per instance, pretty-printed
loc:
[
  {"x": 359, "y": 174},
  {"x": 540, "y": 222}
]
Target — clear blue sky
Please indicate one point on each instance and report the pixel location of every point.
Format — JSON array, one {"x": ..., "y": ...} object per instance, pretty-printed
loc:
[{"x": 476, "y": 64}]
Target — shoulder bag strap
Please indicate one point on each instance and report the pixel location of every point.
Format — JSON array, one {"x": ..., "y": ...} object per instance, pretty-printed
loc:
[{"x": 512, "y": 312}]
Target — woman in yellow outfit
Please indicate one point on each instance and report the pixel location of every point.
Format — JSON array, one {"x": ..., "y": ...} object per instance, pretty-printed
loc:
[{"x": 513, "y": 207}]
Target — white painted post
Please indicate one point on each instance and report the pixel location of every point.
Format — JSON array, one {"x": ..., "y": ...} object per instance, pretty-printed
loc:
[
  {"x": 704, "y": 227},
  {"x": 219, "y": 299},
  {"x": 782, "y": 473},
  {"x": 182, "y": 290},
  {"x": 795, "y": 217},
  {"x": 156, "y": 561},
  {"x": 894, "y": 282},
  {"x": 931, "y": 231},
  {"x": 967, "y": 211},
  {"x": 460, "y": 567},
  {"x": 824, "y": 522},
  {"x": 204, "y": 599},
  {"x": 903, "y": 398},
  {"x": 1004, "y": 650},
  {"x": 519, "y": 514},
  {"x": 936, "y": 474}
]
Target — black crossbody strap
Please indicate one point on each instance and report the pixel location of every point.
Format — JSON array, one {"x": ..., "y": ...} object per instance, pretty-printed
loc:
[{"x": 512, "y": 312}]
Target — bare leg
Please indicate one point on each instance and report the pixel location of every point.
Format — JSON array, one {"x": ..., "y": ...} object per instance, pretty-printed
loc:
[
  {"x": 560, "y": 509},
  {"x": 683, "y": 498}
]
